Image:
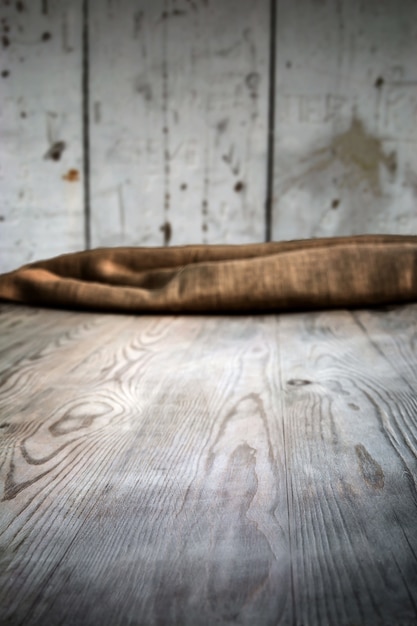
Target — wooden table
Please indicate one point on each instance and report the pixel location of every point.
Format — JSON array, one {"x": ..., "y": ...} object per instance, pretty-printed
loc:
[{"x": 190, "y": 470}]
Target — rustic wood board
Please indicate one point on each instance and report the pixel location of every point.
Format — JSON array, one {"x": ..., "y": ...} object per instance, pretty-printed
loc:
[
  {"x": 178, "y": 121},
  {"x": 41, "y": 156},
  {"x": 208, "y": 470},
  {"x": 345, "y": 118}
]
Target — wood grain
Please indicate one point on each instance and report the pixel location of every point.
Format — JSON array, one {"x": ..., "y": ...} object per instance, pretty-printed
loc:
[
  {"x": 41, "y": 160},
  {"x": 345, "y": 122},
  {"x": 179, "y": 95},
  {"x": 351, "y": 461},
  {"x": 208, "y": 470}
]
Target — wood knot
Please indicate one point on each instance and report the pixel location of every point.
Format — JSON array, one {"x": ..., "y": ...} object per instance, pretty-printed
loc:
[
  {"x": 370, "y": 469},
  {"x": 299, "y": 382}
]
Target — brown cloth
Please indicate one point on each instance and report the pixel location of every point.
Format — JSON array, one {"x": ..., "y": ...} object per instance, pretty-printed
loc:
[{"x": 294, "y": 275}]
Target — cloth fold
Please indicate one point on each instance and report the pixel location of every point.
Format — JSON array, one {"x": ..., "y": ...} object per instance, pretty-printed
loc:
[{"x": 365, "y": 270}]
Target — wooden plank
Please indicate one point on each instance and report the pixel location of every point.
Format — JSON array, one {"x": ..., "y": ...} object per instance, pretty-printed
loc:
[
  {"x": 178, "y": 121},
  {"x": 56, "y": 331},
  {"x": 41, "y": 211},
  {"x": 202, "y": 470},
  {"x": 351, "y": 444},
  {"x": 16, "y": 329},
  {"x": 150, "y": 483},
  {"x": 346, "y": 118}
]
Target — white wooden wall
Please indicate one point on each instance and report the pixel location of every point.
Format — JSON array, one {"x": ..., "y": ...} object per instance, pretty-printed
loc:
[
  {"x": 130, "y": 122},
  {"x": 346, "y": 118},
  {"x": 179, "y": 95},
  {"x": 41, "y": 206}
]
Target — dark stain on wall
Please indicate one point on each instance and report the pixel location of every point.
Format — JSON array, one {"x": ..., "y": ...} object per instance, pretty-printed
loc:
[
  {"x": 144, "y": 89},
  {"x": 232, "y": 161},
  {"x": 167, "y": 232},
  {"x": 206, "y": 191},
  {"x": 361, "y": 153},
  {"x": 204, "y": 211},
  {"x": 55, "y": 151},
  {"x": 222, "y": 125},
  {"x": 165, "y": 15},
  {"x": 165, "y": 129},
  {"x": 252, "y": 83}
]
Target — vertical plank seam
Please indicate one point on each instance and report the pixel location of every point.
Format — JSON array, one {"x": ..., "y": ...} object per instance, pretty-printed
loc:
[
  {"x": 86, "y": 122},
  {"x": 271, "y": 121},
  {"x": 287, "y": 477}
]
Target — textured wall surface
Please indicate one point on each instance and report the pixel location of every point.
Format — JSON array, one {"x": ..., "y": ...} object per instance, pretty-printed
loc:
[
  {"x": 174, "y": 122},
  {"x": 179, "y": 99},
  {"x": 346, "y": 118},
  {"x": 41, "y": 148}
]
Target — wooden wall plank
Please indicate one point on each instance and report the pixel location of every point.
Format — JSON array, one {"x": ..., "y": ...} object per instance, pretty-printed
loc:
[
  {"x": 178, "y": 121},
  {"x": 41, "y": 206},
  {"x": 346, "y": 118}
]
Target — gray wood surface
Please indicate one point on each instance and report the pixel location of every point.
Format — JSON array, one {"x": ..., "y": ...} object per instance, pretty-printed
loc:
[{"x": 208, "y": 470}]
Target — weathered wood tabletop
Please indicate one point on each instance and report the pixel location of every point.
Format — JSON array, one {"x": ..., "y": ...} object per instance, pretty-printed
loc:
[{"x": 208, "y": 470}]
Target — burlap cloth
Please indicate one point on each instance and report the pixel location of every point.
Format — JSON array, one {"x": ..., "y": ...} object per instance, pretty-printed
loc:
[{"x": 295, "y": 275}]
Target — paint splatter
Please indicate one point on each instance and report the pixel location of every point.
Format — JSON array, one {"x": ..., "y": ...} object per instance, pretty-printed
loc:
[{"x": 72, "y": 176}]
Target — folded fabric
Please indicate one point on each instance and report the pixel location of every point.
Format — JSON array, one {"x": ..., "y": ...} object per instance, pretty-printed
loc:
[{"x": 294, "y": 275}]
